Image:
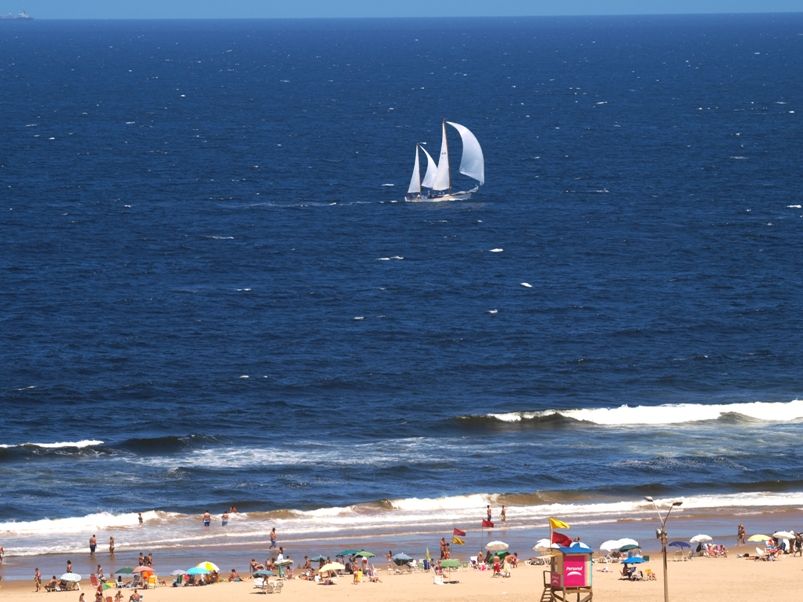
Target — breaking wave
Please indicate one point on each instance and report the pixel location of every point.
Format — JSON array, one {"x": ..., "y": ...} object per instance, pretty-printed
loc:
[{"x": 659, "y": 415}]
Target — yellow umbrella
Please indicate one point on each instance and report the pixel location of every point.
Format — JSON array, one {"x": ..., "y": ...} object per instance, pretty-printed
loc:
[
  {"x": 759, "y": 537},
  {"x": 209, "y": 566},
  {"x": 332, "y": 566}
]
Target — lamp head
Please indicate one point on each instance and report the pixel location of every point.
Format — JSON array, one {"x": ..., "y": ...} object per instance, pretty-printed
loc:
[
  {"x": 649, "y": 498},
  {"x": 677, "y": 503}
]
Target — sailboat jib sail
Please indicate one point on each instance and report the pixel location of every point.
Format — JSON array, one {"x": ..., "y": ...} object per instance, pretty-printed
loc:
[
  {"x": 432, "y": 170},
  {"x": 414, "y": 190},
  {"x": 437, "y": 182}
]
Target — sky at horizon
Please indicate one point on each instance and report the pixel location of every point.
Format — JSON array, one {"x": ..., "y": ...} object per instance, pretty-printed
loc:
[{"x": 245, "y": 9}]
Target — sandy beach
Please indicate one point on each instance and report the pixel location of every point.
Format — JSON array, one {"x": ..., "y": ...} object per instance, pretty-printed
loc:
[{"x": 733, "y": 579}]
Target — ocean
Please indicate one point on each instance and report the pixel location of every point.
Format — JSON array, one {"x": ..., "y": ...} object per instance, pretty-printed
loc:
[{"x": 213, "y": 293}]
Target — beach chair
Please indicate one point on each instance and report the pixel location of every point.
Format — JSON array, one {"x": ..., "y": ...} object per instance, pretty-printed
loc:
[{"x": 649, "y": 575}]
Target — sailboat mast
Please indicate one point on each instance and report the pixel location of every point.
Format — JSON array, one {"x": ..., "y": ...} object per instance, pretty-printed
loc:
[{"x": 445, "y": 151}]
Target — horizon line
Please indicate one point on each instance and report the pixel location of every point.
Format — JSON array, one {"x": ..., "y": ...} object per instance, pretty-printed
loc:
[{"x": 408, "y": 17}]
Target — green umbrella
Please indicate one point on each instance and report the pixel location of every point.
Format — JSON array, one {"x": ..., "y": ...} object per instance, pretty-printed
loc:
[
  {"x": 347, "y": 552},
  {"x": 450, "y": 563},
  {"x": 501, "y": 553},
  {"x": 317, "y": 558},
  {"x": 365, "y": 554},
  {"x": 126, "y": 570}
]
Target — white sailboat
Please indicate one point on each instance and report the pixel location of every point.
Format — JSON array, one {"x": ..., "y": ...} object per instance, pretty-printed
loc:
[
  {"x": 416, "y": 192},
  {"x": 472, "y": 164}
]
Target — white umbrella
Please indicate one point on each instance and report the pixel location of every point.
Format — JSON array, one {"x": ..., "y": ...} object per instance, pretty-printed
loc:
[
  {"x": 701, "y": 538},
  {"x": 285, "y": 562},
  {"x": 610, "y": 545},
  {"x": 579, "y": 545},
  {"x": 70, "y": 577},
  {"x": 628, "y": 541},
  {"x": 496, "y": 546},
  {"x": 784, "y": 534},
  {"x": 542, "y": 544}
]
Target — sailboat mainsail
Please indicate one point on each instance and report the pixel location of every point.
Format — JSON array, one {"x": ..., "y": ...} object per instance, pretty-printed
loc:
[
  {"x": 473, "y": 163},
  {"x": 442, "y": 183}
]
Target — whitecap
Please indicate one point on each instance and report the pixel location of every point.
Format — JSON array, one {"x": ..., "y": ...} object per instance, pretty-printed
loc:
[
  {"x": 496, "y": 250},
  {"x": 493, "y": 312},
  {"x": 526, "y": 285},
  {"x": 357, "y": 318},
  {"x": 795, "y": 206}
]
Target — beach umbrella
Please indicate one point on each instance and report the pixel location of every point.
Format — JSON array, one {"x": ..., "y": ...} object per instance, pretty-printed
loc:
[
  {"x": 198, "y": 570},
  {"x": 331, "y": 566},
  {"x": 178, "y": 572},
  {"x": 365, "y": 554},
  {"x": 402, "y": 557},
  {"x": 543, "y": 544},
  {"x": 701, "y": 538},
  {"x": 450, "y": 563},
  {"x": 263, "y": 573},
  {"x": 496, "y": 546},
  {"x": 347, "y": 552},
  {"x": 126, "y": 570},
  {"x": 70, "y": 577},
  {"x": 679, "y": 544},
  {"x": 628, "y": 546},
  {"x": 209, "y": 566},
  {"x": 784, "y": 534},
  {"x": 317, "y": 558},
  {"x": 143, "y": 569},
  {"x": 628, "y": 541},
  {"x": 633, "y": 560},
  {"x": 579, "y": 545},
  {"x": 609, "y": 545},
  {"x": 758, "y": 537},
  {"x": 285, "y": 562},
  {"x": 109, "y": 585}
]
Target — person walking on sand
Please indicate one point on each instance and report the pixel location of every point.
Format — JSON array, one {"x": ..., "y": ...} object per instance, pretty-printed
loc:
[
  {"x": 111, "y": 545},
  {"x": 273, "y": 537},
  {"x": 37, "y": 579},
  {"x": 741, "y": 534},
  {"x": 93, "y": 543}
]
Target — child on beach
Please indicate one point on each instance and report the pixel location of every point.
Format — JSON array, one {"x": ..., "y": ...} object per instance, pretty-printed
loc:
[{"x": 37, "y": 579}]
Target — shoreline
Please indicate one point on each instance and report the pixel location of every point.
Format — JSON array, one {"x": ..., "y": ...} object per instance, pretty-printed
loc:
[
  {"x": 519, "y": 533},
  {"x": 733, "y": 579}
]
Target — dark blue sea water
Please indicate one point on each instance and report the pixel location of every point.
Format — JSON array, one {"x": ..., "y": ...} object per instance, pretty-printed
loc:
[{"x": 213, "y": 294}]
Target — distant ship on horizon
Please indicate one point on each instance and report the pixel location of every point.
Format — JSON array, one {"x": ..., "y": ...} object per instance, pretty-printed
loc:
[{"x": 20, "y": 16}]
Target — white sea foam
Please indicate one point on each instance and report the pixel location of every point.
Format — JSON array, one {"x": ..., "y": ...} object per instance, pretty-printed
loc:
[
  {"x": 626, "y": 415},
  {"x": 80, "y": 524},
  {"x": 526, "y": 285},
  {"x": 58, "y": 444},
  {"x": 496, "y": 250}
]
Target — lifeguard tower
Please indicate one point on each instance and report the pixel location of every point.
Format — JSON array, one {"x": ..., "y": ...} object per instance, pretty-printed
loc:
[{"x": 569, "y": 576}]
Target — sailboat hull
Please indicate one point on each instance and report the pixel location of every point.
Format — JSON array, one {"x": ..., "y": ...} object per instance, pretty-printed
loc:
[{"x": 462, "y": 195}]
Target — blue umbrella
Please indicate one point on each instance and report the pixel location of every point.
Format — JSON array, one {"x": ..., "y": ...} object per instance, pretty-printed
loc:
[
  {"x": 679, "y": 544},
  {"x": 263, "y": 573},
  {"x": 197, "y": 570},
  {"x": 633, "y": 560}
]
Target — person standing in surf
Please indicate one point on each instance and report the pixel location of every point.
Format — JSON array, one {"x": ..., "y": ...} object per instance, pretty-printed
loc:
[
  {"x": 272, "y": 538},
  {"x": 93, "y": 543}
]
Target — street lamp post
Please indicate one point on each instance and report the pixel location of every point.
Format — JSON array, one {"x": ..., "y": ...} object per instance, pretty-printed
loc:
[{"x": 662, "y": 536}]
